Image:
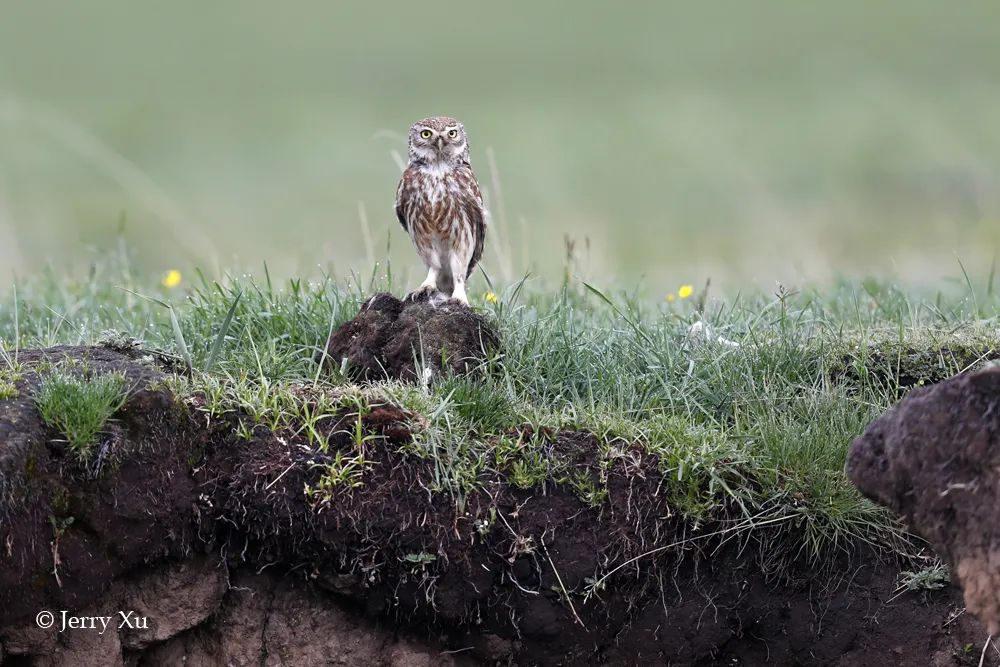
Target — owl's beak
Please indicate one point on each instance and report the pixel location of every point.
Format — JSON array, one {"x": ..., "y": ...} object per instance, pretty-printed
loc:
[{"x": 440, "y": 143}]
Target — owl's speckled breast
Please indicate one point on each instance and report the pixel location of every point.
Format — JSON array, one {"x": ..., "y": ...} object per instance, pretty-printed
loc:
[{"x": 436, "y": 202}]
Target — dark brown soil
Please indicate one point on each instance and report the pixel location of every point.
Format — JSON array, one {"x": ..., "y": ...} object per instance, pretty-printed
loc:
[
  {"x": 496, "y": 577},
  {"x": 393, "y": 339},
  {"x": 935, "y": 459}
]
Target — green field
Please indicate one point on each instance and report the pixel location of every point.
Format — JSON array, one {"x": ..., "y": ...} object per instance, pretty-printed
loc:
[{"x": 746, "y": 142}]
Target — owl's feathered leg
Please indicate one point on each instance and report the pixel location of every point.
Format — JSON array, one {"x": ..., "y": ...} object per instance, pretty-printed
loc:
[
  {"x": 431, "y": 281},
  {"x": 458, "y": 265}
]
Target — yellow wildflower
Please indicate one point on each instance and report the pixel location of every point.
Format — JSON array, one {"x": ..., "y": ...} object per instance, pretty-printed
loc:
[
  {"x": 671, "y": 297},
  {"x": 171, "y": 278},
  {"x": 684, "y": 291},
  {"x": 490, "y": 297}
]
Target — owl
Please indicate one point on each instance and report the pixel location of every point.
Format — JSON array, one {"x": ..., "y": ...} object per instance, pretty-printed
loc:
[{"x": 439, "y": 205}]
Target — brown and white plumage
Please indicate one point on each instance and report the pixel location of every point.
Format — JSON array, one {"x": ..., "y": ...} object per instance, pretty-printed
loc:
[{"x": 439, "y": 204}]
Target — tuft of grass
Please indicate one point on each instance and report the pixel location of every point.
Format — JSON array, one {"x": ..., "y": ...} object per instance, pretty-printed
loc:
[
  {"x": 9, "y": 374},
  {"x": 8, "y": 386},
  {"x": 934, "y": 576},
  {"x": 79, "y": 407},
  {"x": 9, "y": 366},
  {"x": 931, "y": 578}
]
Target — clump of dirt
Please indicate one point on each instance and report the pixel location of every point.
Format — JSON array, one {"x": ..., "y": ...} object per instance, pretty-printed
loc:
[
  {"x": 390, "y": 338},
  {"x": 216, "y": 540},
  {"x": 934, "y": 458}
]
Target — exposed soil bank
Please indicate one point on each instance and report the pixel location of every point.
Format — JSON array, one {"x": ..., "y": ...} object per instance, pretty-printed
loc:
[{"x": 213, "y": 539}]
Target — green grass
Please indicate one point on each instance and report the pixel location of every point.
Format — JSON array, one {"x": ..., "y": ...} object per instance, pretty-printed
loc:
[
  {"x": 9, "y": 373},
  {"x": 752, "y": 438},
  {"x": 79, "y": 406},
  {"x": 8, "y": 388}
]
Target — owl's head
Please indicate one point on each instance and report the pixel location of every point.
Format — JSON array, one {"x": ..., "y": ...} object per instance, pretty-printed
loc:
[{"x": 439, "y": 139}]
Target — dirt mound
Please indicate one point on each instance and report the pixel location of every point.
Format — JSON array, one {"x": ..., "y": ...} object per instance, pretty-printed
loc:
[
  {"x": 390, "y": 338},
  {"x": 935, "y": 459},
  {"x": 213, "y": 537}
]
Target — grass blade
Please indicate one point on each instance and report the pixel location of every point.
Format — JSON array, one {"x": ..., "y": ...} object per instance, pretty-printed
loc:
[
  {"x": 213, "y": 356},
  {"x": 179, "y": 339},
  {"x": 993, "y": 275}
]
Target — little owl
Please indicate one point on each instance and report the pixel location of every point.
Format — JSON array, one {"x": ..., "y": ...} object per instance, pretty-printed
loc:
[{"x": 439, "y": 204}]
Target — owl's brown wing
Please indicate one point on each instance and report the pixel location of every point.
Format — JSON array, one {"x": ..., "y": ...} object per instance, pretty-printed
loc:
[
  {"x": 400, "y": 200},
  {"x": 475, "y": 213}
]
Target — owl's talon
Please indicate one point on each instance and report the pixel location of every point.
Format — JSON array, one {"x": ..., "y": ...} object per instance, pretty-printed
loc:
[{"x": 421, "y": 293}]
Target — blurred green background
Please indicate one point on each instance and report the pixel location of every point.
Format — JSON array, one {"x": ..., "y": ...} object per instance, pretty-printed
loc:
[{"x": 748, "y": 142}]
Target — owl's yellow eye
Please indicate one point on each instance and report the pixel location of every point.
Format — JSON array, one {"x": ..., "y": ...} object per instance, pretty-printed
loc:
[
  {"x": 425, "y": 134},
  {"x": 452, "y": 134}
]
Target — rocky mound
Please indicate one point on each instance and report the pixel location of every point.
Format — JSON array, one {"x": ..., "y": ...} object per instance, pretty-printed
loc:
[
  {"x": 392, "y": 339},
  {"x": 238, "y": 548},
  {"x": 934, "y": 458}
]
